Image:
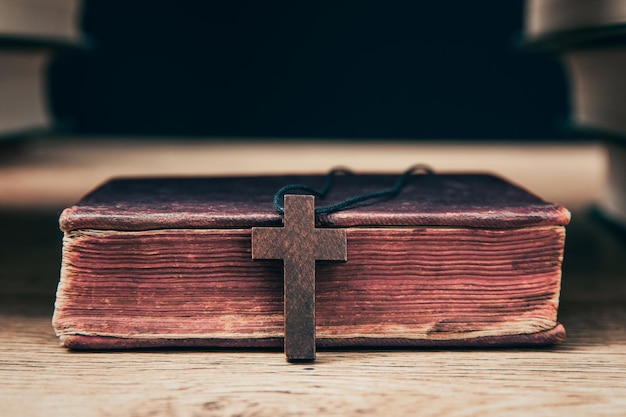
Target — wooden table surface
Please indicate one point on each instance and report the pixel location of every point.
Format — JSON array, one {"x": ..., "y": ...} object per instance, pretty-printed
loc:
[{"x": 585, "y": 376}]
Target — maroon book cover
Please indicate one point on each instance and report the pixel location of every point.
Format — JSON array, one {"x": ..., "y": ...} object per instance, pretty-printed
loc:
[{"x": 452, "y": 260}]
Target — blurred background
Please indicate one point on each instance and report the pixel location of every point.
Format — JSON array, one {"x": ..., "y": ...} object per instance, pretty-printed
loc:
[
  {"x": 383, "y": 85},
  {"x": 534, "y": 91},
  {"x": 350, "y": 69}
]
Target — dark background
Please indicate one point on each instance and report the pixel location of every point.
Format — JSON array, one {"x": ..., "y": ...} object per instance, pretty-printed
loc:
[{"x": 344, "y": 69}]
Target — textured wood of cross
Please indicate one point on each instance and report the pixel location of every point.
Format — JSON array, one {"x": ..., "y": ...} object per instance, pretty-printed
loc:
[{"x": 299, "y": 244}]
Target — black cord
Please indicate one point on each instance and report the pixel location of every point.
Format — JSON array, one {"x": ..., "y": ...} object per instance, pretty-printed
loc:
[{"x": 342, "y": 205}]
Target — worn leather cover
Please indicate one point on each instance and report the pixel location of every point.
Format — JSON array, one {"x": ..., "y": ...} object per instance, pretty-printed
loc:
[{"x": 457, "y": 200}]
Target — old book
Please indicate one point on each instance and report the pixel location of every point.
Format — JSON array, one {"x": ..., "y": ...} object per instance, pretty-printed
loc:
[
  {"x": 31, "y": 34},
  {"x": 597, "y": 79},
  {"x": 23, "y": 103},
  {"x": 613, "y": 206},
  {"x": 590, "y": 37},
  {"x": 453, "y": 260},
  {"x": 36, "y": 21},
  {"x": 566, "y": 23}
]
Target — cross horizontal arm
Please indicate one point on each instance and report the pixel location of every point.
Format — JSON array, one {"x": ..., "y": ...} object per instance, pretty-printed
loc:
[
  {"x": 330, "y": 245},
  {"x": 268, "y": 243}
]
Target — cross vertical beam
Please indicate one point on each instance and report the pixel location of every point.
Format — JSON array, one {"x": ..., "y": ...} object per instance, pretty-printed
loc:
[{"x": 299, "y": 244}]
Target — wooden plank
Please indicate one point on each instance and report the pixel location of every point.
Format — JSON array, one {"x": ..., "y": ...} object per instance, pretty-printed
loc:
[{"x": 585, "y": 376}]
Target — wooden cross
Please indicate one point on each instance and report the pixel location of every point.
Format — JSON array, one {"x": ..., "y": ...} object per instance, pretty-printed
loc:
[{"x": 299, "y": 244}]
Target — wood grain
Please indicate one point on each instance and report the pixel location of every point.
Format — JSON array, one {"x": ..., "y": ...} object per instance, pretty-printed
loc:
[{"x": 584, "y": 376}]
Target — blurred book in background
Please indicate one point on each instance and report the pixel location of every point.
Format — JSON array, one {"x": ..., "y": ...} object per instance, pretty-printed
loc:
[
  {"x": 31, "y": 32},
  {"x": 590, "y": 38}
]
